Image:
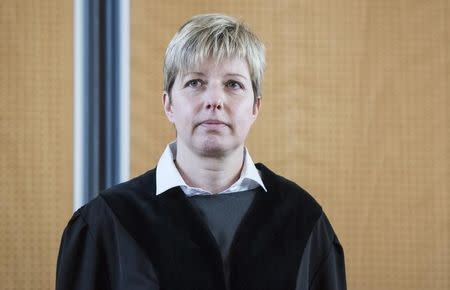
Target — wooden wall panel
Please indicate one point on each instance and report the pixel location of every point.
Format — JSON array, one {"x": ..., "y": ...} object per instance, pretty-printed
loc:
[
  {"x": 35, "y": 139},
  {"x": 355, "y": 109}
]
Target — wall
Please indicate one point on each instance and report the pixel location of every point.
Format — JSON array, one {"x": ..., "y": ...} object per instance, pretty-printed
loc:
[
  {"x": 35, "y": 139},
  {"x": 355, "y": 109}
]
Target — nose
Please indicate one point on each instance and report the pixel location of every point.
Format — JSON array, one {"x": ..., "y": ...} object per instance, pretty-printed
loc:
[
  {"x": 214, "y": 106},
  {"x": 214, "y": 98}
]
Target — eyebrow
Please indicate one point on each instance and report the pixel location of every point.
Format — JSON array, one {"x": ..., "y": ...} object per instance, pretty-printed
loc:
[
  {"x": 193, "y": 73},
  {"x": 236, "y": 75},
  {"x": 200, "y": 73}
]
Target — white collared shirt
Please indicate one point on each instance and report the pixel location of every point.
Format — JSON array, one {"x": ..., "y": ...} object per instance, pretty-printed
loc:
[{"x": 168, "y": 176}]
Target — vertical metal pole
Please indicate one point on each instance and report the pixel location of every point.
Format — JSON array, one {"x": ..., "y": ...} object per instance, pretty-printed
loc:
[
  {"x": 101, "y": 96},
  {"x": 124, "y": 100},
  {"x": 117, "y": 91}
]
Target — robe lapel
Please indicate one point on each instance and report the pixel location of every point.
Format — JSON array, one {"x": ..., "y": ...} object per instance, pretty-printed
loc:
[
  {"x": 182, "y": 215},
  {"x": 171, "y": 233}
]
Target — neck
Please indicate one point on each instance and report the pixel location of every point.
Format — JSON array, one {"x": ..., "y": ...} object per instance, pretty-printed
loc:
[{"x": 214, "y": 174}]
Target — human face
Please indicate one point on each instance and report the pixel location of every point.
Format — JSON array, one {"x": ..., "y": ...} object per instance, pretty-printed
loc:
[{"x": 212, "y": 107}]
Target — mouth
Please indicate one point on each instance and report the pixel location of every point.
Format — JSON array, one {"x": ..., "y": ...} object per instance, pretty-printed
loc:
[{"x": 213, "y": 123}]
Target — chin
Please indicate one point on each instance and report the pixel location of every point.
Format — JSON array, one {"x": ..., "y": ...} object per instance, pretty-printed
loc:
[
  {"x": 214, "y": 147},
  {"x": 212, "y": 150}
]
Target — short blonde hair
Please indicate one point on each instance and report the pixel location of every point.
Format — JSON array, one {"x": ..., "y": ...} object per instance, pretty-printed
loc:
[{"x": 217, "y": 36}]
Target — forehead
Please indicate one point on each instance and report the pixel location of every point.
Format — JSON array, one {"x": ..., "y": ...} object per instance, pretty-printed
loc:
[{"x": 225, "y": 66}]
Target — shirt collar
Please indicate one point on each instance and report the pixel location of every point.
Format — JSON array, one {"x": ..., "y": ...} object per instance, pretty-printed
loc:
[{"x": 249, "y": 179}]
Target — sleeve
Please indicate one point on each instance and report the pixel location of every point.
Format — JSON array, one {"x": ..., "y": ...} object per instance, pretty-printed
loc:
[
  {"x": 331, "y": 272},
  {"x": 80, "y": 264},
  {"x": 322, "y": 266}
]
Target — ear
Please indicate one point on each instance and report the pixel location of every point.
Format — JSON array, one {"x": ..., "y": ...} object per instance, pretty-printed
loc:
[
  {"x": 168, "y": 108},
  {"x": 256, "y": 107}
]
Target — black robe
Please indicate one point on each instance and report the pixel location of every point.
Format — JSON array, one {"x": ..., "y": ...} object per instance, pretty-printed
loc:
[{"x": 131, "y": 238}]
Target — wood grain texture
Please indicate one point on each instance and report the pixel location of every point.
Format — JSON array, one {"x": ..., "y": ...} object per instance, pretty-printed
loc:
[{"x": 35, "y": 139}]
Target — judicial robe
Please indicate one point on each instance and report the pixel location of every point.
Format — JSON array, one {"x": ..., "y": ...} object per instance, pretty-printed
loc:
[{"x": 130, "y": 238}]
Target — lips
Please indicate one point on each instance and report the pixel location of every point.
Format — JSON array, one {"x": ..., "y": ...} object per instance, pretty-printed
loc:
[{"x": 213, "y": 123}]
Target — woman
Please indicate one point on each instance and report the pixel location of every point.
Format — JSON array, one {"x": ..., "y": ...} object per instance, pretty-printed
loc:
[{"x": 206, "y": 217}]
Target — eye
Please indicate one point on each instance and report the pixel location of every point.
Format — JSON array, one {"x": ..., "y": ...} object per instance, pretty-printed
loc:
[
  {"x": 197, "y": 83},
  {"x": 234, "y": 85}
]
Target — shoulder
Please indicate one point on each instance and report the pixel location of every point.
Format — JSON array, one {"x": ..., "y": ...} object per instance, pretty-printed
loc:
[
  {"x": 293, "y": 193},
  {"x": 287, "y": 189},
  {"x": 137, "y": 185},
  {"x": 98, "y": 212}
]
